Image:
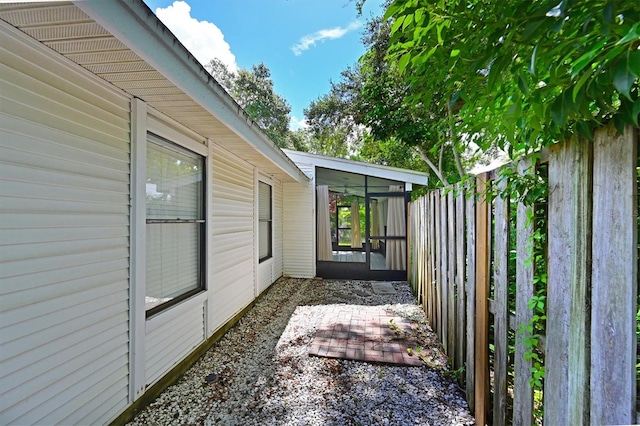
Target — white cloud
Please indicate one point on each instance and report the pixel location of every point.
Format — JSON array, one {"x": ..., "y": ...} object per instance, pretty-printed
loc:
[
  {"x": 310, "y": 40},
  {"x": 202, "y": 38},
  {"x": 298, "y": 123}
]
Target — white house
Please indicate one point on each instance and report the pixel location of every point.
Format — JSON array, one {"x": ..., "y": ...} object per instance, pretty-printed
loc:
[{"x": 141, "y": 210}]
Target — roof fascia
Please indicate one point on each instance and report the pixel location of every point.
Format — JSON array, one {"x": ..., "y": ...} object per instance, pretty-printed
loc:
[
  {"x": 359, "y": 167},
  {"x": 135, "y": 25}
]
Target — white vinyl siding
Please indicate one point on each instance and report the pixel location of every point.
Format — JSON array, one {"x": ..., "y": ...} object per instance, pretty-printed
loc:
[
  {"x": 64, "y": 239},
  {"x": 232, "y": 276},
  {"x": 172, "y": 335},
  {"x": 277, "y": 230},
  {"x": 170, "y": 258},
  {"x": 270, "y": 269},
  {"x": 299, "y": 220}
]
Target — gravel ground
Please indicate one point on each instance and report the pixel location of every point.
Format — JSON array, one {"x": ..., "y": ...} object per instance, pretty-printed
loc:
[{"x": 261, "y": 374}]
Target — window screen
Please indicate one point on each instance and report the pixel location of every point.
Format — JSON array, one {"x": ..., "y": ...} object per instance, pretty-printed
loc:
[
  {"x": 175, "y": 223},
  {"x": 264, "y": 221}
]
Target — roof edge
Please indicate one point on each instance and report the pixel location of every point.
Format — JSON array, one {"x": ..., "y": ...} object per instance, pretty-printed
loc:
[
  {"x": 157, "y": 45},
  {"x": 412, "y": 176}
]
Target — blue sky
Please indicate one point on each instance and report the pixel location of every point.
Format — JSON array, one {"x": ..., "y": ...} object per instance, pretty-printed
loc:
[{"x": 305, "y": 43}]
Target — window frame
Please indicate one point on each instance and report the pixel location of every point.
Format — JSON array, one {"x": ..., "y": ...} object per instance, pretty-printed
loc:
[
  {"x": 152, "y": 138},
  {"x": 269, "y": 254}
]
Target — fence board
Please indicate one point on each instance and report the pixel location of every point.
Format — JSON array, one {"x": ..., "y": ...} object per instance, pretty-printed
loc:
[
  {"x": 438, "y": 263},
  {"x": 434, "y": 263},
  {"x": 451, "y": 293},
  {"x": 500, "y": 318},
  {"x": 444, "y": 336},
  {"x": 614, "y": 279},
  {"x": 460, "y": 276},
  {"x": 424, "y": 221},
  {"x": 569, "y": 222},
  {"x": 483, "y": 242},
  {"x": 471, "y": 295},
  {"x": 522, "y": 392}
]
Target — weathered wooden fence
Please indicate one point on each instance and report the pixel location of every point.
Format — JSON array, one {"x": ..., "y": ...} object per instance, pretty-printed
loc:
[{"x": 459, "y": 257}]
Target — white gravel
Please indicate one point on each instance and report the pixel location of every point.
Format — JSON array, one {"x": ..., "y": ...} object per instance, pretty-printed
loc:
[{"x": 264, "y": 375}]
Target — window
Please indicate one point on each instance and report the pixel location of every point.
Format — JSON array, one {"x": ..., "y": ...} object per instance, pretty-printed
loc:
[
  {"x": 264, "y": 221},
  {"x": 175, "y": 224}
]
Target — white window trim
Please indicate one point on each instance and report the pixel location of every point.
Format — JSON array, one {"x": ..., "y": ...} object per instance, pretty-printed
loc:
[
  {"x": 145, "y": 120},
  {"x": 266, "y": 180}
]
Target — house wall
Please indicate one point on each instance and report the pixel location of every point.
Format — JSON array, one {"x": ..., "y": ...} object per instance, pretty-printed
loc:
[
  {"x": 64, "y": 239},
  {"x": 299, "y": 219},
  {"x": 232, "y": 278},
  {"x": 172, "y": 334},
  {"x": 270, "y": 269},
  {"x": 76, "y": 347}
]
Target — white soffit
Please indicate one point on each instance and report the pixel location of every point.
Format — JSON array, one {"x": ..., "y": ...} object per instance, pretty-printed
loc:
[
  {"x": 123, "y": 42},
  {"x": 358, "y": 167}
]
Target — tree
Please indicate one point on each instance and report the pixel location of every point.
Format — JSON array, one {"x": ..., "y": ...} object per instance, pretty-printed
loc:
[
  {"x": 520, "y": 74},
  {"x": 369, "y": 103},
  {"x": 253, "y": 90}
]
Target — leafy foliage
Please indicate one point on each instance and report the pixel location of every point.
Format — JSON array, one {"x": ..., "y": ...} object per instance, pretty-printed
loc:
[
  {"x": 365, "y": 112},
  {"x": 523, "y": 74},
  {"x": 253, "y": 90}
]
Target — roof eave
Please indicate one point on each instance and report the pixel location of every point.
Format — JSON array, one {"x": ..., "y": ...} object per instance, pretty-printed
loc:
[{"x": 135, "y": 25}]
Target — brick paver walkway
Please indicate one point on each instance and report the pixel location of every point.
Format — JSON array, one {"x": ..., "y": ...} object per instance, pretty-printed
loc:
[{"x": 365, "y": 333}]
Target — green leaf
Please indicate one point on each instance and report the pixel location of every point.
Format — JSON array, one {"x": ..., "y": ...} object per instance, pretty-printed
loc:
[
  {"x": 634, "y": 62},
  {"x": 623, "y": 78},
  {"x": 531, "y": 28},
  {"x": 586, "y": 59},
  {"x": 580, "y": 83},
  {"x": 403, "y": 61},
  {"x": 532, "y": 64},
  {"x": 523, "y": 85},
  {"x": 396, "y": 24},
  {"x": 439, "y": 29},
  {"x": 454, "y": 53},
  {"x": 560, "y": 111},
  {"x": 584, "y": 130},
  {"x": 408, "y": 20},
  {"x": 428, "y": 54},
  {"x": 632, "y": 35}
]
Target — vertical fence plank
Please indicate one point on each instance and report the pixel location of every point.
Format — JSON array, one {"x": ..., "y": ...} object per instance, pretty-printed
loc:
[
  {"x": 566, "y": 379},
  {"x": 434, "y": 264},
  {"x": 471, "y": 295},
  {"x": 500, "y": 319},
  {"x": 451, "y": 293},
  {"x": 426, "y": 218},
  {"x": 438, "y": 264},
  {"x": 522, "y": 392},
  {"x": 422, "y": 218},
  {"x": 614, "y": 278},
  {"x": 460, "y": 278},
  {"x": 483, "y": 242},
  {"x": 444, "y": 255}
]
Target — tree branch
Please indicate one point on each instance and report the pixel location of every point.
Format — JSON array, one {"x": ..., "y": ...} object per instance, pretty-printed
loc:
[{"x": 432, "y": 166}]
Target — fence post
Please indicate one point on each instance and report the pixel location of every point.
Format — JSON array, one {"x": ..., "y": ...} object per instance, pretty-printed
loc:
[
  {"x": 522, "y": 392},
  {"x": 566, "y": 357},
  {"x": 471, "y": 295},
  {"x": 483, "y": 243},
  {"x": 614, "y": 278}
]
